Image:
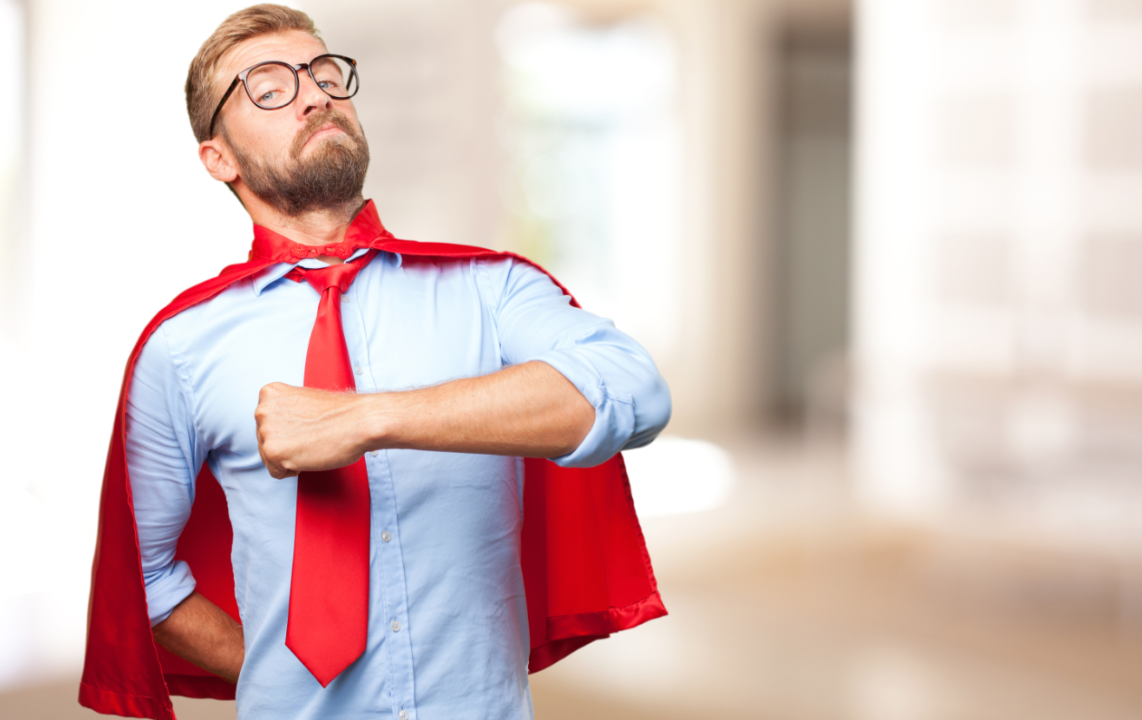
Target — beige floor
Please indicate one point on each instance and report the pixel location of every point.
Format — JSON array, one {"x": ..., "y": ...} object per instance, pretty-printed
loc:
[{"x": 787, "y": 605}]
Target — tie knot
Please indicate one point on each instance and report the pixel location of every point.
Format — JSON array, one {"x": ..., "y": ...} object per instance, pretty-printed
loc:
[{"x": 340, "y": 276}]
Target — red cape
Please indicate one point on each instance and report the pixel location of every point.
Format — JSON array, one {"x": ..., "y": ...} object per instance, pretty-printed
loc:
[{"x": 585, "y": 567}]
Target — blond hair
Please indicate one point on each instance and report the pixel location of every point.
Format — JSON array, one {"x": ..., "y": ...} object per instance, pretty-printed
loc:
[{"x": 203, "y": 89}]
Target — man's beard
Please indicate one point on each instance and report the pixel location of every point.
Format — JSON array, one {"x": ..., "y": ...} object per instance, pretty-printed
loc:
[{"x": 329, "y": 178}]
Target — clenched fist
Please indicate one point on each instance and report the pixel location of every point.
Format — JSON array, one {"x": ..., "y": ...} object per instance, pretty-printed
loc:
[{"x": 302, "y": 429}]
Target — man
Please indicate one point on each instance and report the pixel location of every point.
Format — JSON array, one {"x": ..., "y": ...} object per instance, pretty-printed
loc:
[{"x": 376, "y": 548}]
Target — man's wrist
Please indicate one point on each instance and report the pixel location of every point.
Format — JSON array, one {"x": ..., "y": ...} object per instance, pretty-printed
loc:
[{"x": 375, "y": 421}]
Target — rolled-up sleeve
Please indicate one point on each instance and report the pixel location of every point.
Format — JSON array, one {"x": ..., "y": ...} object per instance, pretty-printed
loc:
[
  {"x": 536, "y": 321},
  {"x": 163, "y": 458}
]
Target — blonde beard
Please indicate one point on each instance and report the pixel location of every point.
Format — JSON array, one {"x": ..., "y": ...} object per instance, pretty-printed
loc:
[{"x": 331, "y": 177}]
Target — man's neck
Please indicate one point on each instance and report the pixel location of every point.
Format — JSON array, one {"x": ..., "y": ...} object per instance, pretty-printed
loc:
[{"x": 318, "y": 227}]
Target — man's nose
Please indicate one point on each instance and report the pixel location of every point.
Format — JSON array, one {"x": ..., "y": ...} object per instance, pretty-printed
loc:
[{"x": 310, "y": 96}]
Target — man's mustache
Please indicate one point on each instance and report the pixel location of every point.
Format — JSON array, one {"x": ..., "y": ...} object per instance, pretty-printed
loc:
[{"x": 314, "y": 123}]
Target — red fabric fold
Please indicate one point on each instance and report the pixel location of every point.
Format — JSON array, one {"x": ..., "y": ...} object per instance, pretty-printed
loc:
[{"x": 586, "y": 570}]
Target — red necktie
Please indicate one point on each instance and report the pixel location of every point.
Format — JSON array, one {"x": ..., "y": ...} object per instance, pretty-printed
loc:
[{"x": 329, "y": 589}]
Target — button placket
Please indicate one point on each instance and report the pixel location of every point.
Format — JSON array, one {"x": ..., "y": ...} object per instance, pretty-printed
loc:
[{"x": 389, "y": 574}]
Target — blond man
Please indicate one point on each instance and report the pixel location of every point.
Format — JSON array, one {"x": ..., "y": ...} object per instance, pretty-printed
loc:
[{"x": 460, "y": 369}]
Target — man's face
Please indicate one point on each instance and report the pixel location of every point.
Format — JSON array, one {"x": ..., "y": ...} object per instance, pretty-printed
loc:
[{"x": 309, "y": 155}]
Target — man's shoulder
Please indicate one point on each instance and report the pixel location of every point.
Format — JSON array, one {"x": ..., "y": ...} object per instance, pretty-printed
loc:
[
  {"x": 194, "y": 310},
  {"x": 489, "y": 271}
]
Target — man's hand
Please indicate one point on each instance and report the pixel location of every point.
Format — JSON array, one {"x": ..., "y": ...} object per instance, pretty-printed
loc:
[
  {"x": 302, "y": 429},
  {"x": 528, "y": 410}
]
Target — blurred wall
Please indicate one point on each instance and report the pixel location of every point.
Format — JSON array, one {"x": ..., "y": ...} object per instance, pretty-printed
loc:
[
  {"x": 998, "y": 321},
  {"x": 733, "y": 367},
  {"x": 13, "y": 30}
]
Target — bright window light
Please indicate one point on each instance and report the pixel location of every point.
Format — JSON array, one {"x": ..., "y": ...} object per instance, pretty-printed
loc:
[
  {"x": 592, "y": 135},
  {"x": 673, "y": 476}
]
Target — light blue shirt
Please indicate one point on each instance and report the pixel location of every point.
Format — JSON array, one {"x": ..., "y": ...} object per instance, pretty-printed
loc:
[{"x": 447, "y": 635}]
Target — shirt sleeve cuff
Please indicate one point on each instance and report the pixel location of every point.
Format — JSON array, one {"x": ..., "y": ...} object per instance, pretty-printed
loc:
[
  {"x": 614, "y": 413},
  {"x": 166, "y": 588}
]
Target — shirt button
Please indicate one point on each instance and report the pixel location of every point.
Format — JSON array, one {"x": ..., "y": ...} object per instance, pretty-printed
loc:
[
  {"x": 403, "y": 715},
  {"x": 357, "y": 369},
  {"x": 344, "y": 298},
  {"x": 386, "y": 536},
  {"x": 396, "y": 626},
  {"x": 373, "y": 453}
]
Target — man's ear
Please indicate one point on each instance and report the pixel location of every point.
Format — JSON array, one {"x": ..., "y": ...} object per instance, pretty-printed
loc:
[{"x": 218, "y": 160}]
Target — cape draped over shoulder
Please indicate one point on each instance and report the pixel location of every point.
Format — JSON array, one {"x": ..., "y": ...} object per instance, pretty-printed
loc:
[{"x": 586, "y": 570}]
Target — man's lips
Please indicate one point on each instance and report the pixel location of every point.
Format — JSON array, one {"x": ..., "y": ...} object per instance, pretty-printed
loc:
[{"x": 324, "y": 130}]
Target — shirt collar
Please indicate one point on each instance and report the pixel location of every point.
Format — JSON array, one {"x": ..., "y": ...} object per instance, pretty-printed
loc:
[{"x": 276, "y": 272}]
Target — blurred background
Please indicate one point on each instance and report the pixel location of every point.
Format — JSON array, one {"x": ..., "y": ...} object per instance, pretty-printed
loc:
[{"x": 886, "y": 252}]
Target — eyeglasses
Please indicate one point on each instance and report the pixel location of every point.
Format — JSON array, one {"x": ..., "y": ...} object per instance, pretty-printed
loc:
[{"x": 272, "y": 85}]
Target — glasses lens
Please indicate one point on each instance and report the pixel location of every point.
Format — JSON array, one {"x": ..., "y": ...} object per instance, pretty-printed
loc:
[
  {"x": 272, "y": 85},
  {"x": 335, "y": 76}
]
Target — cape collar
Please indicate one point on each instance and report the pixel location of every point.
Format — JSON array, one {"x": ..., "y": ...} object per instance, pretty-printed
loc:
[{"x": 365, "y": 230}]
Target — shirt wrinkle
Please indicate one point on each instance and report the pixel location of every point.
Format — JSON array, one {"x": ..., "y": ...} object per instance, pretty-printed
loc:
[{"x": 187, "y": 390}]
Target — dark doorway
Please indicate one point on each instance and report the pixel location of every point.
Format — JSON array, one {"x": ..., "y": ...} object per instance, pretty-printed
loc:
[{"x": 813, "y": 251}]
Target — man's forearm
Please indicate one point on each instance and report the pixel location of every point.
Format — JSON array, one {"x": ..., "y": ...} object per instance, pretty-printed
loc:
[
  {"x": 529, "y": 410},
  {"x": 202, "y": 633}
]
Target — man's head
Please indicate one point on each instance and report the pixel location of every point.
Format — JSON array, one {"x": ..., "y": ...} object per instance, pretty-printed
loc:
[{"x": 308, "y": 155}]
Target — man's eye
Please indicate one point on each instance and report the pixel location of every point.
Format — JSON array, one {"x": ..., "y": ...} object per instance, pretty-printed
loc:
[
  {"x": 329, "y": 85},
  {"x": 267, "y": 97}
]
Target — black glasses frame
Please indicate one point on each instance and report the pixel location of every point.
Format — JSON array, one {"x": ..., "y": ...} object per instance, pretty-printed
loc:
[{"x": 353, "y": 82}]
